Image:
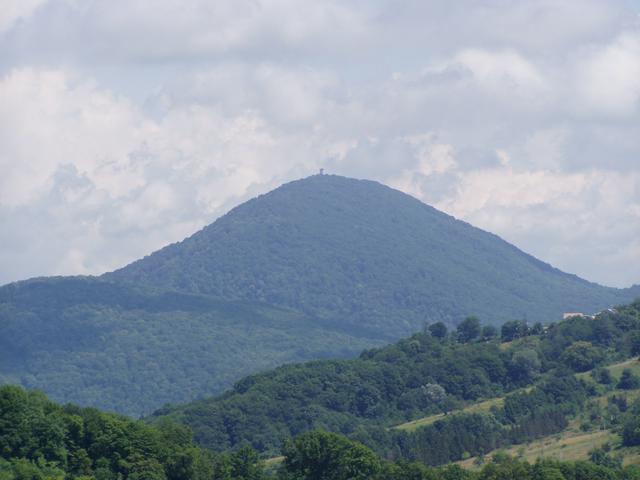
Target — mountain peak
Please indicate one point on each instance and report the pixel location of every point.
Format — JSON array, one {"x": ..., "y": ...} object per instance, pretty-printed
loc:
[{"x": 361, "y": 255}]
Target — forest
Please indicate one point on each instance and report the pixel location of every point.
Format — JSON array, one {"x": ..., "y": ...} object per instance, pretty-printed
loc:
[
  {"x": 435, "y": 371},
  {"x": 41, "y": 440},
  {"x": 319, "y": 268},
  {"x": 133, "y": 349},
  {"x": 338, "y": 419}
]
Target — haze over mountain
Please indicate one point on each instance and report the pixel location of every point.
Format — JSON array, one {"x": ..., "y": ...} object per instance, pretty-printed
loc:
[
  {"x": 321, "y": 267},
  {"x": 132, "y": 349},
  {"x": 367, "y": 256}
]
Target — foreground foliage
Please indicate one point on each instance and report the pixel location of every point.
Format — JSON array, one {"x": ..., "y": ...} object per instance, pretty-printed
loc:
[
  {"x": 40, "y": 440},
  {"x": 323, "y": 456}
]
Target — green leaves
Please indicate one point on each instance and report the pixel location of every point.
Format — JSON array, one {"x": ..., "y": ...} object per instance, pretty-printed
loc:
[
  {"x": 319, "y": 455},
  {"x": 41, "y": 439}
]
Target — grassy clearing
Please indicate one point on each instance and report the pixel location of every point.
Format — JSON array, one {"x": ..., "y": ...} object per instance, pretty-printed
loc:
[
  {"x": 616, "y": 369},
  {"x": 484, "y": 406},
  {"x": 271, "y": 465},
  {"x": 633, "y": 365},
  {"x": 571, "y": 444}
]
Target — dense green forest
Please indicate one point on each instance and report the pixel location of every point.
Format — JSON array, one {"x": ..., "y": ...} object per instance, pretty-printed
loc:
[
  {"x": 368, "y": 257},
  {"x": 430, "y": 372},
  {"x": 132, "y": 350},
  {"x": 41, "y": 440},
  {"x": 319, "y": 455},
  {"x": 319, "y": 268}
]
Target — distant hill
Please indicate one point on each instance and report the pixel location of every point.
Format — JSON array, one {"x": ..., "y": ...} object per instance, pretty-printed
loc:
[
  {"x": 131, "y": 349},
  {"x": 318, "y": 268},
  {"x": 367, "y": 256}
]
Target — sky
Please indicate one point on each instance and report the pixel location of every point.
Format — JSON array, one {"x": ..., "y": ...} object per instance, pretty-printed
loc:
[{"x": 126, "y": 125}]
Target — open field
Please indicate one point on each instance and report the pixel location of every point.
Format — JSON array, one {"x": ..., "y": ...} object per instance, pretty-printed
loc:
[
  {"x": 483, "y": 406},
  {"x": 568, "y": 445},
  {"x": 616, "y": 369},
  {"x": 632, "y": 364}
]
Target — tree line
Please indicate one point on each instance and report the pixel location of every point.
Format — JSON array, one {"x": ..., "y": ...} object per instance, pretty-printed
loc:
[{"x": 434, "y": 371}]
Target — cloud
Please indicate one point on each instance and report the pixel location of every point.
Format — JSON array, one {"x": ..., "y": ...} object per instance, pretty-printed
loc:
[
  {"x": 134, "y": 31},
  {"x": 14, "y": 11},
  {"x": 48, "y": 120},
  {"x": 500, "y": 70},
  {"x": 128, "y": 125},
  {"x": 609, "y": 76}
]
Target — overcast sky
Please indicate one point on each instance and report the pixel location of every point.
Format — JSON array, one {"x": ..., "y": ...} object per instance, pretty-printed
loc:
[{"x": 129, "y": 124}]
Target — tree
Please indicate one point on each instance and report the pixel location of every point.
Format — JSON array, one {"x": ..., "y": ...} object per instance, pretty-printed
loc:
[
  {"x": 513, "y": 329},
  {"x": 319, "y": 455},
  {"x": 141, "y": 468},
  {"x": 600, "y": 456},
  {"x": 525, "y": 365},
  {"x": 489, "y": 332},
  {"x": 602, "y": 376},
  {"x": 468, "y": 330},
  {"x": 537, "y": 329},
  {"x": 628, "y": 380},
  {"x": 438, "y": 330},
  {"x": 581, "y": 356},
  {"x": 631, "y": 432},
  {"x": 634, "y": 343},
  {"x": 434, "y": 393}
]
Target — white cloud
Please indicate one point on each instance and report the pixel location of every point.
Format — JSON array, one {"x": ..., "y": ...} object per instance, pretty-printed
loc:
[
  {"x": 128, "y": 125},
  {"x": 506, "y": 188},
  {"x": 608, "y": 78},
  {"x": 133, "y": 31},
  {"x": 51, "y": 119},
  {"x": 13, "y": 11},
  {"x": 500, "y": 70}
]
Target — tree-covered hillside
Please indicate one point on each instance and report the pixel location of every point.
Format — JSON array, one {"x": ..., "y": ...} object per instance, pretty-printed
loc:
[
  {"x": 41, "y": 440},
  {"x": 319, "y": 268},
  {"x": 367, "y": 256},
  {"x": 132, "y": 350},
  {"x": 430, "y": 372}
]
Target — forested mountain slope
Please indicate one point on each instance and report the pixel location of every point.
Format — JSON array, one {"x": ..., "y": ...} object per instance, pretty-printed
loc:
[
  {"x": 318, "y": 268},
  {"x": 131, "y": 349},
  {"x": 428, "y": 373},
  {"x": 368, "y": 256}
]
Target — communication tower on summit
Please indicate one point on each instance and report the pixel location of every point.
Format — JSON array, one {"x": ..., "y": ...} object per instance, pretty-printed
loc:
[{"x": 322, "y": 171}]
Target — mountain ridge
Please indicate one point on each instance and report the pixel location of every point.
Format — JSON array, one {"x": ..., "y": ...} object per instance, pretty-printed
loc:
[{"x": 327, "y": 217}]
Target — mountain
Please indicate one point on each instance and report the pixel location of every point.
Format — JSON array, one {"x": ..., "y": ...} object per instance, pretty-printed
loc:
[
  {"x": 367, "y": 257},
  {"x": 318, "y": 268}
]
